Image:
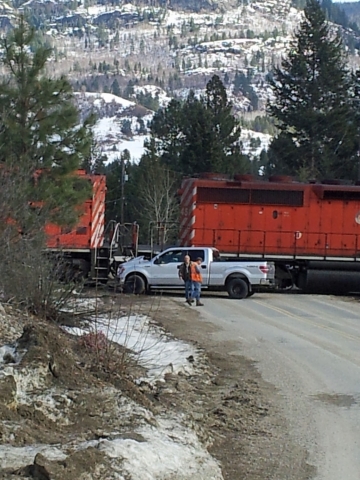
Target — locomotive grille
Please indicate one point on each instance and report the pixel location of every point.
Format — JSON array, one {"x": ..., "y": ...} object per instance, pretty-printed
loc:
[
  {"x": 223, "y": 195},
  {"x": 255, "y": 197},
  {"x": 294, "y": 198},
  {"x": 341, "y": 195}
]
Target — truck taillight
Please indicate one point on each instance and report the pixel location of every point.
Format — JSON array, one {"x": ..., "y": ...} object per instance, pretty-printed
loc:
[{"x": 264, "y": 268}]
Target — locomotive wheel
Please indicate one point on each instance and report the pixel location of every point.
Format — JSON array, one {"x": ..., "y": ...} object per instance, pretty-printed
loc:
[
  {"x": 135, "y": 284},
  {"x": 237, "y": 288}
]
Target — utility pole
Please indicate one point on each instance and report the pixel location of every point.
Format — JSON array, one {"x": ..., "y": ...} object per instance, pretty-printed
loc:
[
  {"x": 357, "y": 119},
  {"x": 358, "y": 156},
  {"x": 122, "y": 203}
]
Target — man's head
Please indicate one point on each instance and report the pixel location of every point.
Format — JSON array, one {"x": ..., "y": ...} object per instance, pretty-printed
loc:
[
  {"x": 199, "y": 260},
  {"x": 186, "y": 259}
]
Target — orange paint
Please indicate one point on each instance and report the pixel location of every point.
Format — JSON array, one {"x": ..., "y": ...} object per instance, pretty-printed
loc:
[
  {"x": 273, "y": 218},
  {"x": 88, "y": 233}
]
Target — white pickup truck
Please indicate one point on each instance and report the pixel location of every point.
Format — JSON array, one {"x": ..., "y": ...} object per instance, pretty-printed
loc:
[{"x": 239, "y": 278}]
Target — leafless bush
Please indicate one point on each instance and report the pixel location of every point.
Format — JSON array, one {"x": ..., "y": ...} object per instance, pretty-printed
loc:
[
  {"x": 118, "y": 336},
  {"x": 31, "y": 279}
]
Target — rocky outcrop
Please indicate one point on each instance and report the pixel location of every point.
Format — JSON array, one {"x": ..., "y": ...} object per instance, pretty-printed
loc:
[{"x": 191, "y": 5}]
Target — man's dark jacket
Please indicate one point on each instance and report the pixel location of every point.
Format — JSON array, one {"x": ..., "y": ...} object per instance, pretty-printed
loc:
[{"x": 185, "y": 271}]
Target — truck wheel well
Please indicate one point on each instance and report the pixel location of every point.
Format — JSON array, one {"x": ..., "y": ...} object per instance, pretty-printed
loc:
[
  {"x": 140, "y": 275},
  {"x": 236, "y": 275}
]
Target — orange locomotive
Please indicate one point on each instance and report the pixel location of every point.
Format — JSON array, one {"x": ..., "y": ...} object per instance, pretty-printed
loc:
[
  {"x": 82, "y": 245},
  {"x": 89, "y": 231},
  {"x": 311, "y": 231},
  {"x": 92, "y": 250}
]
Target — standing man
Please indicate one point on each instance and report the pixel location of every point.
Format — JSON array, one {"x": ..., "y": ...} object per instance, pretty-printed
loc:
[
  {"x": 185, "y": 272},
  {"x": 197, "y": 280}
]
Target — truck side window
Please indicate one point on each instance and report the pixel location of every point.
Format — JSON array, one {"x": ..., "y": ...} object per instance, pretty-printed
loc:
[
  {"x": 194, "y": 254},
  {"x": 174, "y": 256},
  {"x": 216, "y": 255}
]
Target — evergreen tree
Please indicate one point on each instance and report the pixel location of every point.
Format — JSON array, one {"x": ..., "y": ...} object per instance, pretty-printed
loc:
[
  {"x": 115, "y": 88},
  {"x": 200, "y": 134},
  {"x": 313, "y": 106},
  {"x": 114, "y": 171},
  {"x": 42, "y": 141},
  {"x": 224, "y": 147}
]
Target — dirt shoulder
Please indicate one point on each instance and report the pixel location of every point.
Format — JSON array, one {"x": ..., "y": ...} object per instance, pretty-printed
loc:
[{"x": 241, "y": 412}]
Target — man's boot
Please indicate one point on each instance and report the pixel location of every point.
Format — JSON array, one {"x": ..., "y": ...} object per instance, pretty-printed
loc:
[
  {"x": 188, "y": 301},
  {"x": 199, "y": 304}
]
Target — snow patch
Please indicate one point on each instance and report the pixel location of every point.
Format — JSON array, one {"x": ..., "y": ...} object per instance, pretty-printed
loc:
[
  {"x": 98, "y": 98},
  {"x": 168, "y": 451},
  {"x": 154, "y": 349},
  {"x": 28, "y": 380},
  {"x": 155, "y": 91},
  {"x": 17, "y": 457},
  {"x": 8, "y": 351},
  {"x": 254, "y": 142}
]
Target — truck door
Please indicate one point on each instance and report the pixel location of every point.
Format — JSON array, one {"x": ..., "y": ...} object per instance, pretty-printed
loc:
[{"x": 165, "y": 271}]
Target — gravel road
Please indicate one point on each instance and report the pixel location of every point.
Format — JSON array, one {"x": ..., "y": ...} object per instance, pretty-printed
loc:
[{"x": 307, "y": 346}]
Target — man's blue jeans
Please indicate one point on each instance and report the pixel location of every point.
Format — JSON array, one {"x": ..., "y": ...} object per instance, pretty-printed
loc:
[
  {"x": 196, "y": 290},
  {"x": 188, "y": 289}
]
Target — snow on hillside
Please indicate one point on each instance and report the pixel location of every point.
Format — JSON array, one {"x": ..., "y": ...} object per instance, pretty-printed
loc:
[
  {"x": 122, "y": 124},
  {"x": 155, "y": 92},
  {"x": 111, "y": 140},
  {"x": 99, "y": 99},
  {"x": 254, "y": 142}
]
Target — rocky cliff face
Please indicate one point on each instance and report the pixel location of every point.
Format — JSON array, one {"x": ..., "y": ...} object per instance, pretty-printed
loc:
[
  {"x": 198, "y": 5},
  {"x": 191, "y": 5}
]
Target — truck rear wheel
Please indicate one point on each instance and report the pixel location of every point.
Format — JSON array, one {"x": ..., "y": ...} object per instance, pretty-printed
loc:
[
  {"x": 135, "y": 284},
  {"x": 237, "y": 288}
]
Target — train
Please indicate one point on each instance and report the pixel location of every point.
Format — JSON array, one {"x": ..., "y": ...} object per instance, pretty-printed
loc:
[
  {"x": 92, "y": 249},
  {"x": 310, "y": 230}
]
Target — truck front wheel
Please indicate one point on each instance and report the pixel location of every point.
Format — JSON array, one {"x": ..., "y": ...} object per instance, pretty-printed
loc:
[
  {"x": 237, "y": 288},
  {"x": 135, "y": 284}
]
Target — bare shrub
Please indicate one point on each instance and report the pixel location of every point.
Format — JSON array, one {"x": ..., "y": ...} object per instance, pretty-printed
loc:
[
  {"x": 30, "y": 278},
  {"x": 117, "y": 336}
]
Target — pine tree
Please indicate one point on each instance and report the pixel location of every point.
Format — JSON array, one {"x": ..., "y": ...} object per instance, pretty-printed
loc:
[
  {"x": 313, "y": 105},
  {"x": 200, "y": 134},
  {"x": 115, "y": 88},
  {"x": 115, "y": 184},
  {"x": 224, "y": 147},
  {"x": 42, "y": 141}
]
